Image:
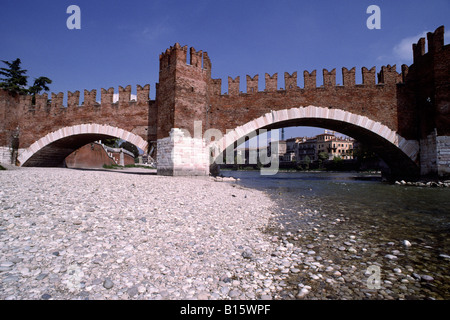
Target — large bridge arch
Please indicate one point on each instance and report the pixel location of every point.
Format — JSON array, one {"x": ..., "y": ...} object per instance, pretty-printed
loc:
[
  {"x": 53, "y": 148},
  {"x": 400, "y": 154}
]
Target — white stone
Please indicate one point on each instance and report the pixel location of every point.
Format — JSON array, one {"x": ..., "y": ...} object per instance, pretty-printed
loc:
[{"x": 406, "y": 243}]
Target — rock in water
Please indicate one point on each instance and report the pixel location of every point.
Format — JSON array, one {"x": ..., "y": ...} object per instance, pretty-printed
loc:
[
  {"x": 406, "y": 243},
  {"x": 426, "y": 278}
]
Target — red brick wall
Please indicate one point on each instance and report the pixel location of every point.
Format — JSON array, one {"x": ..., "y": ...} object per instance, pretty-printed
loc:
[
  {"x": 35, "y": 121},
  {"x": 94, "y": 155},
  {"x": 91, "y": 155},
  {"x": 9, "y": 117},
  {"x": 377, "y": 102}
]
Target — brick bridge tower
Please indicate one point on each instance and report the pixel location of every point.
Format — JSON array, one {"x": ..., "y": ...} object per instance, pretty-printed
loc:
[
  {"x": 424, "y": 101},
  {"x": 182, "y": 99}
]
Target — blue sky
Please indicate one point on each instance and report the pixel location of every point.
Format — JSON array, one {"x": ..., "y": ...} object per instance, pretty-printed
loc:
[{"x": 120, "y": 41}]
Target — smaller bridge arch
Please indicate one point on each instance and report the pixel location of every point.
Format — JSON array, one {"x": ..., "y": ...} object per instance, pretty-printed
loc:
[
  {"x": 400, "y": 154},
  {"x": 53, "y": 148}
]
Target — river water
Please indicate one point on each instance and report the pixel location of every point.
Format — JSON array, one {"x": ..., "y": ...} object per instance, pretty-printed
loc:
[{"x": 351, "y": 221}]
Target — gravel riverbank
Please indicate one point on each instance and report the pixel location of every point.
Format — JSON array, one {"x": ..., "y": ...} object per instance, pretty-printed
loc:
[
  {"x": 98, "y": 234},
  {"x": 73, "y": 234}
]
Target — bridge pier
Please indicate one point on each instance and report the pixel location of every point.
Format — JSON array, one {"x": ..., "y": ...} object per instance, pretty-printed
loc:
[
  {"x": 182, "y": 155},
  {"x": 435, "y": 156}
]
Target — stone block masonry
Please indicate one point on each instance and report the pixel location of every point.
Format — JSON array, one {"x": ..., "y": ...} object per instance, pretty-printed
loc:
[
  {"x": 182, "y": 155},
  {"x": 443, "y": 155},
  {"x": 5, "y": 155}
]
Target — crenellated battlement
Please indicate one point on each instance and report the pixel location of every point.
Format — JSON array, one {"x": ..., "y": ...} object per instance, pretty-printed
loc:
[
  {"x": 124, "y": 94},
  {"x": 348, "y": 77},
  {"x": 252, "y": 84},
  {"x": 57, "y": 100},
  {"x": 309, "y": 79},
  {"x": 73, "y": 99},
  {"x": 329, "y": 78},
  {"x": 290, "y": 81},
  {"x": 196, "y": 57},
  {"x": 177, "y": 55},
  {"x": 271, "y": 82},
  {"x": 435, "y": 44},
  {"x": 107, "y": 96},
  {"x": 388, "y": 75},
  {"x": 233, "y": 86},
  {"x": 42, "y": 101}
]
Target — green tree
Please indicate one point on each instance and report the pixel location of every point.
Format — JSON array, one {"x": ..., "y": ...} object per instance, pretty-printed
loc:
[
  {"x": 15, "y": 80},
  {"x": 306, "y": 162},
  {"x": 322, "y": 157},
  {"x": 39, "y": 85},
  {"x": 337, "y": 163},
  {"x": 111, "y": 142}
]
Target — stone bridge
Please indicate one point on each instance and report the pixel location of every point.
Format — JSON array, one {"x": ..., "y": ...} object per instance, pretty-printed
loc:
[{"x": 403, "y": 116}]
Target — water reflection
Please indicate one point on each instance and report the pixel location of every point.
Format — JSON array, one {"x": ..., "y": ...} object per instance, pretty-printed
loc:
[{"x": 377, "y": 212}]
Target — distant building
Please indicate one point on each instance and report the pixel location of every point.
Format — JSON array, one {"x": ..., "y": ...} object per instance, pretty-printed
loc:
[
  {"x": 334, "y": 146},
  {"x": 280, "y": 149},
  {"x": 306, "y": 150},
  {"x": 303, "y": 149}
]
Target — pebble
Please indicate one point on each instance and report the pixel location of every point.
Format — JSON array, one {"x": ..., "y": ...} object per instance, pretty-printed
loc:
[
  {"x": 247, "y": 254},
  {"x": 6, "y": 264},
  {"x": 302, "y": 293},
  {"x": 234, "y": 294},
  {"x": 132, "y": 291},
  {"x": 426, "y": 277},
  {"x": 3, "y": 269},
  {"x": 108, "y": 284}
]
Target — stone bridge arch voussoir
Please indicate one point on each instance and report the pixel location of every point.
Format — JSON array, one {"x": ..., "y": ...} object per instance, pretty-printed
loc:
[
  {"x": 96, "y": 130},
  {"x": 409, "y": 148}
]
